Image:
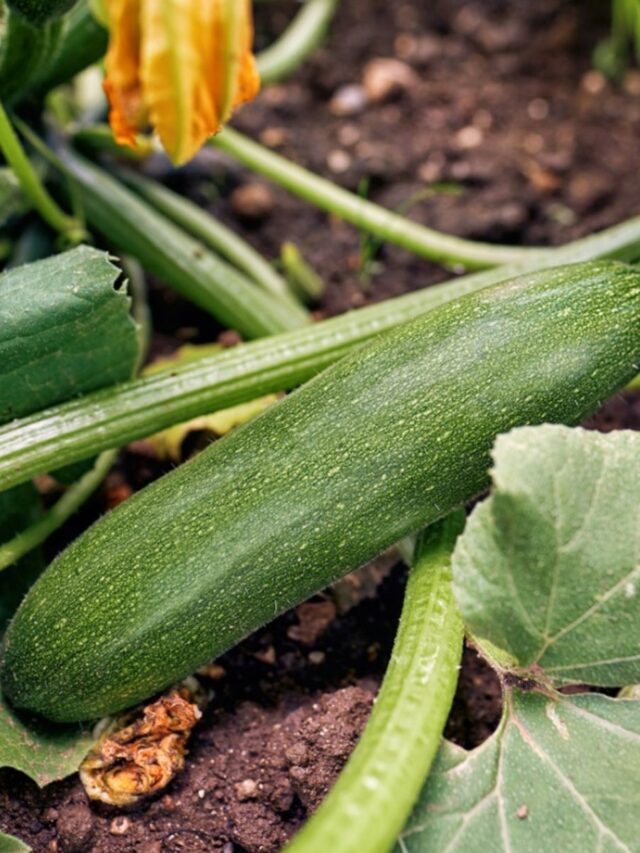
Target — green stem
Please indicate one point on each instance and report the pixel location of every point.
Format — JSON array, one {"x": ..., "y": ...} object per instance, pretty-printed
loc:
[
  {"x": 112, "y": 417},
  {"x": 303, "y": 279},
  {"x": 365, "y": 214},
  {"x": 369, "y": 804},
  {"x": 634, "y": 385},
  {"x": 72, "y": 500},
  {"x": 303, "y": 35},
  {"x": 213, "y": 233},
  {"x": 185, "y": 264},
  {"x": 32, "y": 186},
  {"x": 84, "y": 43}
]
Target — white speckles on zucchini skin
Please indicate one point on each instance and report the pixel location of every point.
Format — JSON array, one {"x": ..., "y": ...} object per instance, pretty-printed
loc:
[{"x": 389, "y": 439}]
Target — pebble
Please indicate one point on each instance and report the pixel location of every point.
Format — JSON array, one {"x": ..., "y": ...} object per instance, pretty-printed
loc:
[
  {"x": 274, "y": 137},
  {"x": 348, "y": 101},
  {"x": 252, "y": 201},
  {"x": 317, "y": 657},
  {"x": 338, "y": 161},
  {"x": 349, "y": 134},
  {"x": 75, "y": 827},
  {"x": 119, "y": 825},
  {"x": 383, "y": 78},
  {"x": 246, "y": 790},
  {"x": 538, "y": 109},
  {"x": 469, "y": 137},
  {"x": 150, "y": 847},
  {"x": 632, "y": 83},
  {"x": 593, "y": 82}
]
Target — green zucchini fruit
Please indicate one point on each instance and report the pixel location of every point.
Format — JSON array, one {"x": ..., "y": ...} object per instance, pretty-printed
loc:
[{"x": 384, "y": 442}]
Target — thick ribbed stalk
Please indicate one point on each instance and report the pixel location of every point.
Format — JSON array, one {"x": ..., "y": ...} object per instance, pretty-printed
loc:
[
  {"x": 214, "y": 234},
  {"x": 365, "y": 214},
  {"x": 303, "y": 35},
  {"x": 136, "y": 229},
  {"x": 115, "y": 416},
  {"x": 370, "y": 802}
]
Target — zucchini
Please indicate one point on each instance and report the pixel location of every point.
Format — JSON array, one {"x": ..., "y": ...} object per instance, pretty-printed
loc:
[{"x": 382, "y": 443}]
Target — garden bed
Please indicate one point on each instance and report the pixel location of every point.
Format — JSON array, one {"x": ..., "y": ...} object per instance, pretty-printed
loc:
[{"x": 494, "y": 107}]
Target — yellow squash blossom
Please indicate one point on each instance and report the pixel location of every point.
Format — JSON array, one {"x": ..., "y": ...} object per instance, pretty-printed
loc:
[{"x": 180, "y": 66}]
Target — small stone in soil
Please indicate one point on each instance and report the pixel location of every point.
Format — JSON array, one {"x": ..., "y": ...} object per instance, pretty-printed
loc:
[
  {"x": 383, "y": 78},
  {"x": 252, "y": 201}
]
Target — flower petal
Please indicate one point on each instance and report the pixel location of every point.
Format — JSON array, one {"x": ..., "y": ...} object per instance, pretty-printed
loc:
[
  {"x": 122, "y": 83},
  {"x": 196, "y": 65}
]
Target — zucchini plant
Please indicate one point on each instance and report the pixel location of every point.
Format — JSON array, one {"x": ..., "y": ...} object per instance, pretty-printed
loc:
[
  {"x": 545, "y": 577},
  {"x": 364, "y": 454},
  {"x": 389, "y": 425}
]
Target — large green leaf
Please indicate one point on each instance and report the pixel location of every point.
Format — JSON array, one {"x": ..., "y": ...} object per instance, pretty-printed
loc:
[
  {"x": 64, "y": 330},
  {"x": 559, "y": 774},
  {"x": 545, "y": 575},
  {"x": 9, "y": 844},
  {"x": 548, "y": 568},
  {"x": 41, "y": 750}
]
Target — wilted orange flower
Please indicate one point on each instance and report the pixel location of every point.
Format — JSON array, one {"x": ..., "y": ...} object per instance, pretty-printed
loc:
[{"x": 180, "y": 66}]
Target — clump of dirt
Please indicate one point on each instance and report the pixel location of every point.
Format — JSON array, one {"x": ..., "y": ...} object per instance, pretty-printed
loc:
[{"x": 484, "y": 118}]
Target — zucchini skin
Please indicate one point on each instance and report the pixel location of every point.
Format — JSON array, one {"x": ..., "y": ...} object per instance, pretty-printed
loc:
[{"x": 384, "y": 442}]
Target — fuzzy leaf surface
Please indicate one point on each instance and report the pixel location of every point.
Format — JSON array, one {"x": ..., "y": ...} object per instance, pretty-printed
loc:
[
  {"x": 64, "y": 330},
  {"x": 559, "y": 774},
  {"x": 548, "y": 568}
]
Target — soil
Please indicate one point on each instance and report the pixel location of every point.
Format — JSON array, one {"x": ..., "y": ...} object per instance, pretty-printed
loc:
[{"x": 491, "y": 124}]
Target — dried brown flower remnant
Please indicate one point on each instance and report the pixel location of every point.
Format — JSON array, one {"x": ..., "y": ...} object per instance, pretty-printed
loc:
[{"x": 140, "y": 759}]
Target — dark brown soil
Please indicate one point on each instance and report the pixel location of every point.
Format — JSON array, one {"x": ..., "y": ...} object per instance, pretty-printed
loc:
[{"x": 500, "y": 130}]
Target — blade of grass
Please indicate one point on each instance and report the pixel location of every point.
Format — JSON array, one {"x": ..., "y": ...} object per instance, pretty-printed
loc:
[{"x": 79, "y": 428}]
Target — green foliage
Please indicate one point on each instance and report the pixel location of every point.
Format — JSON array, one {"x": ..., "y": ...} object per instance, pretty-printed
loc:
[
  {"x": 64, "y": 330},
  {"x": 9, "y": 844},
  {"x": 546, "y": 571},
  {"x": 42, "y": 751},
  {"x": 561, "y": 773},
  {"x": 38, "y": 12},
  {"x": 549, "y": 566},
  {"x": 369, "y": 451}
]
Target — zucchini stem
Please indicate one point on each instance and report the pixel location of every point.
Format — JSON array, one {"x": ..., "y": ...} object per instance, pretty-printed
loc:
[
  {"x": 133, "y": 227},
  {"x": 70, "y": 502},
  {"x": 112, "y": 417},
  {"x": 212, "y": 232},
  {"x": 69, "y": 227},
  {"x": 369, "y": 804},
  {"x": 364, "y": 214},
  {"x": 303, "y": 35}
]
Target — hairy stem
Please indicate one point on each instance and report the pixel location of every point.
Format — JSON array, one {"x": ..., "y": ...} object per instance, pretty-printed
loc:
[
  {"x": 33, "y": 187},
  {"x": 364, "y": 214},
  {"x": 212, "y": 232},
  {"x": 303, "y": 35},
  {"x": 370, "y": 802}
]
